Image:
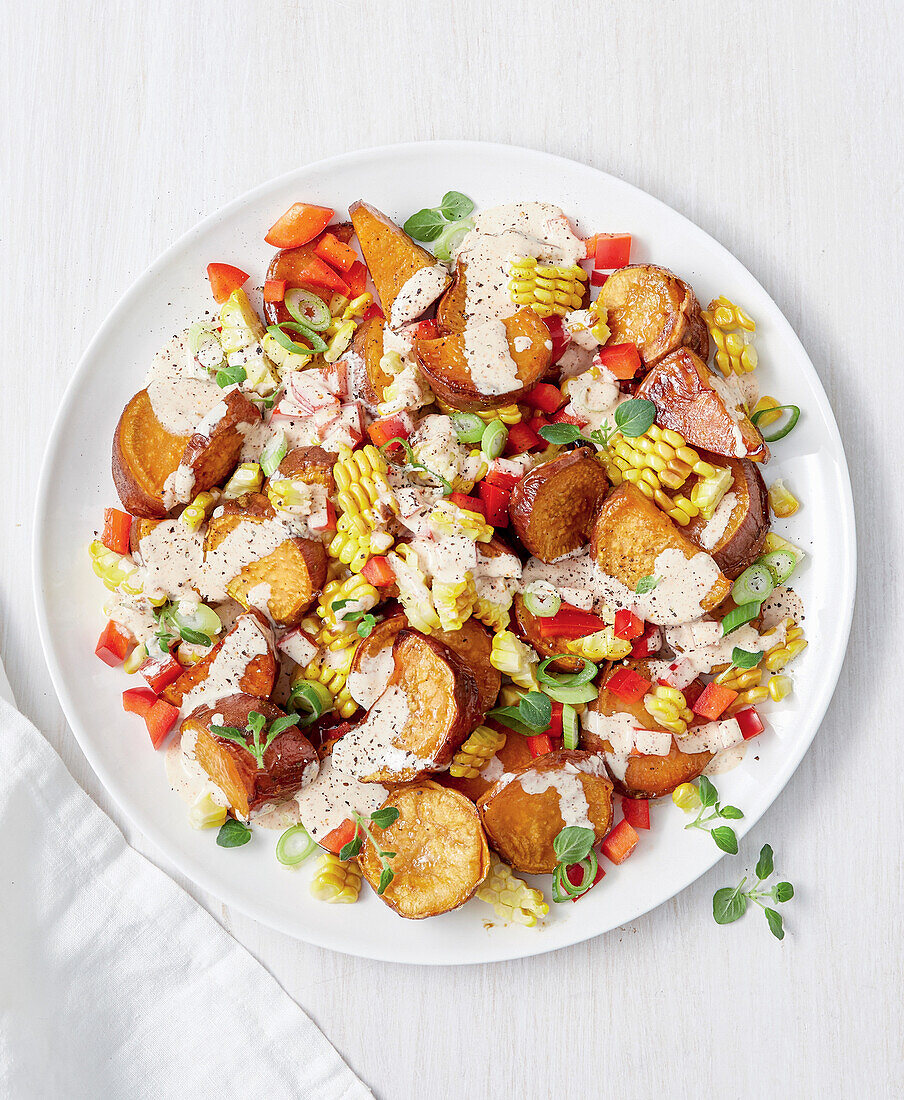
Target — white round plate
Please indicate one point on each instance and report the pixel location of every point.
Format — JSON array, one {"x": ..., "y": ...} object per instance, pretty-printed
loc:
[{"x": 76, "y": 486}]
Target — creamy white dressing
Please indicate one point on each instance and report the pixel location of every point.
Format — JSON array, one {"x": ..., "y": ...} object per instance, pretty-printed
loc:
[
  {"x": 713, "y": 737},
  {"x": 185, "y": 775},
  {"x": 330, "y": 800},
  {"x": 700, "y": 647},
  {"x": 566, "y": 782},
  {"x": 715, "y": 528},
  {"x": 726, "y": 760},
  {"x": 417, "y": 293},
  {"x": 368, "y": 682},
  {"x": 298, "y": 647},
  {"x": 180, "y": 389},
  {"x": 247, "y": 639},
  {"x": 375, "y": 743},
  {"x": 625, "y": 735},
  {"x": 733, "y": 400},
  {"x": 593, "y": 397},
  {"x": 782, "y": 603},
  {"x": 493, "y": 770}
]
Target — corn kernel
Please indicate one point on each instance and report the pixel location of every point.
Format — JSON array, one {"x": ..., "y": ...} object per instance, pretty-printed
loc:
[
  {"x": 335, "y": 881},
  {"x": 781, "y": 500},
  {"x": 686, "y": 797},
  {"x": 780, "y": 687},
  {"x": 472, "y": 757},
  {"x": 511, "y": 897}
]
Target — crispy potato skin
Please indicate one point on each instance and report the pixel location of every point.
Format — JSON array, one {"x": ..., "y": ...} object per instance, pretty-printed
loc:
[
  {"x": 441, "y": 852},
  {"x": 445, "y": 365},
  {"x": 313, "y": 465},
  {"x": 521, "y": 827},
  {"x": 258, "y": 678},
  {"x": 288, "y": 263},
  {"x": 212, "y": 459},
  {"x": 552, "y": 507},
  {"x": 450, "y": 309},
  {"x": 743, "y": 539},
  {"x": 392, "y": 257},
  {"x": 654, "y": 309},
  {"x": 144, "y": 456},
  {"x": 527, "y": 627},
  {"x": 289, "y": 762},
  {"x": 513, "y": 755},
  {"x": 629, "y": 534},
  {"x": 679, "y": 386},
  {"x": 368, "y": 344}
]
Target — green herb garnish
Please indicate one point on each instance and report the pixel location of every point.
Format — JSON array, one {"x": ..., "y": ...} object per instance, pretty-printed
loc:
[
  {"x": 412, "y": 465},
  {"x": 381, "y": 819},
  {"x": 427, "y": 224},
  {"x": 233, "y": 833},
  {"x": 730, "y": 903},
  {"x": 744, "y": 659},
  {"x": 230, "y": 376},
  {"x": 257, "y": 724},
  {"x": 634, "y": 417},
  {"x": 573, "y": 847},
  {"x": 366, "y": 622},
  {"x": 723, "y": 835},
  {"x": 646, "y": 584},
  {"x": 532, "y": 714}
]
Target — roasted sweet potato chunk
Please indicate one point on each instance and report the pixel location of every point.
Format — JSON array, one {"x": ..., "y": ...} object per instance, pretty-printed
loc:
[
  {"x": 312, "y": 465},
  {"x": 392, "y": 257},
  {"x": 431, "y": 704},
  {"x": 629, "y": 535},
  {"x": 288, "y": 764},
  {"x": 690, "y": 399},
  {"x": 289, "y": 263},
  {"x": 288, "y": 572},
  {"x": 513, "y": 755},
  {"x": 445, "y": 364},
  {"x": 741, "y": 540},
  {"x": 524, "y": 813},
  {"x": 368, "y": 345},
  {"x": 441, "y": 852},
  {"x": 553, "y": 507},
  {"x": 450, "y": 310},
  {"x": 654, "y": 309},
  {"x": 473, "y": 643}
]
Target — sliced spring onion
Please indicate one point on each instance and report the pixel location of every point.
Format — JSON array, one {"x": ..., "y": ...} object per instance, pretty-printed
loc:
[
  {"x": 294, "y": 846},
  {"x": 753, "y": 585},
  {"x": 310, "y": 698},
  {"x": 468, "y": 427},
  {"x": 780, "y": 433},
  {"x": 567, "y": 679},
  {"x": 780, "y": 563},
  {"x": 563, "y": 889},
  {"x": 202, "y": 620},
  {"x": 493, "y": 440},
  {"x": 450, "y": 238},
  {"x": 308, "y": 309},
  {"x": 202, "y": 334},
  {"x": 273, "y": 453},
  {"x": 314, "y": 343},
  {"x": 569, "y": 687},
  {"x": 570, "y": 727},
  {"x": 542, "y": 600},
  {"x": 740, "y": 615}
]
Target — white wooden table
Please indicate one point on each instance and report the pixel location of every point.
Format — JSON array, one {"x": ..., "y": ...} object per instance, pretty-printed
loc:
[{"x": 776, "y": 127}]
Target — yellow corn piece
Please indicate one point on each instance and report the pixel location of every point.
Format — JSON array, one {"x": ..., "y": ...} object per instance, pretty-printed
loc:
[
  {"x": 669, "y": 707},
  {"x": 340, "y": 341},
  {"x": 686, "y": 797},
  {"x": 247, "y": 478},
  {"x": 451, "y": 519},
  {"x": 475, "y": 753},
  {"x": 748, "y": 698},
  {"x": 454, "y": 601},
  {"x": 332, "y": 670},
  {"x": 784, "y": 652},
  {"x": 336, "y": 881},
  {"x": 337, "y": 304},
  {"x": 780, "y": 687},
  {"x": 357, "y": 307},
  {"x": 494, "y": 615},
  {"x": 360, "y": 482},
  {"x": 414, "y": 592},
  {"x": 112, "y": 568},
  {"x": 781, "y": 500},
  {"x": 194, "y": 514},
  {"x": 135, "y": 659},
  {"x": 508, "y": 414},
  {"x": 241, "y": 326},
  {"x": 511, "y": 897},
  {"x": 732, "y": 332},
  {"x": 546, "y": 288},
  {"x": 739, "y": 679},
  {"x": 707, "y": 493},
  {"x": 284, "y": 359},
  {"x": 601, "y": 646},
  {"x": 205, "y": 813},
  {"x": 763, "y": 406},
  {"x": 517, "y": 660},
  {"x": 361, "y": 595},
  {"x": 776, "y": 542}
]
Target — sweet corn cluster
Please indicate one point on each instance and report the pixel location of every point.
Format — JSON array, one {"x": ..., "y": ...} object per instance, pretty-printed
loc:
[
  {"x": 669, "y": 707},
  {"x": 461, "y": 484},
  {"x": 603, "y": 645},
  {"x": 780, "y": 687},
  {"x": 508, "y": 414},
  {"x": 655, "y": 461},
  {"x": 336, "y": 881},
  {"x": 707, "y": 492},
  {"x": 332, "y": 670},
  {"x": 492, "y": 614},
  {"x": 247, "y": 478},
  {"x": 474, "y": 754},
  {"x": 414, "y": 591},
  {"x": 784, "y": 652},
  {"x": 361, "y": 596},
  {"x": 115, "y": 570},
  {"x": 194, "y": 515},
  {"x": 732, "y": 332},
  {"x": 510, "y": 896},
  {"x": 447, "y": 518},
  {"x": 204, "y": 813},
  {"x": 781, "y": 500},
  {"x": 517, "y": 660},
  {"x": 546, "y": 288},
  {"x": 360, "y": 482},
  {"x": 454, "y": 601}
]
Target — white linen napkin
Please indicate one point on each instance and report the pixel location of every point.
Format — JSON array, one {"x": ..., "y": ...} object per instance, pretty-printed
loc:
[{"x": 114, "y": 983}]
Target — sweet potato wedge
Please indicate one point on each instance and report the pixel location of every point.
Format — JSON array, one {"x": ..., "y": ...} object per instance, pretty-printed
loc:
[
  {"x": 473, "y": 643},
  {"x": 524, "y": 813},
  {"x": 654, "y": 309},
  {"x": 741, "y": 542},
  {"x": 244, "y": 661},
  {"x": 553, "y": 506},
  {"x": 212, "y": 458},
  {"x": 392, "y": 257},
  {"x": 692, "y": 400},
  {"x": 289, "y": 763},
  {"x": 441, "y": 853},
  {"x": 527, "y": 627},
  {"x": 313, "y": 465},
  {"x": 287, "y": 572},
  {"x": 445, "y": 366},
  {"x": 450, "y": 309},
  {"x": 368, "y": 344},
  {"x": 288, "y": 264},
  {"x": 631, "y": 532},
  {"x": 430, "y": 706},
  {"x": 513, "y": 755}
]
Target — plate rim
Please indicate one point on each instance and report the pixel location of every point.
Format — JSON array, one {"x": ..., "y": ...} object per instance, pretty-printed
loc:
[{"x": 187, "y": 865}]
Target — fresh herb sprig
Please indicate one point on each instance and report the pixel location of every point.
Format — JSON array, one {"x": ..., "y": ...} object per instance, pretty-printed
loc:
[
  {"x": 573, "y": 847},
  {"x": 382, "y": 819},
  {"x": 366, "y": 622},
  {"x": 233, "y": 833},
  {"x": 646, "y": 584},
  {"x": 412, "y": 465},
  {"x": 427, "y": 224},
  {"x": 260, "y": 740},
  {"x": 730, "y": 903},
  {"x": 168, "y": 629},
  {"x": 744, "y": 658},
  {"x": 632, "y": 418},
  {"x": 723, "y": 835},
  {"x": 532, "y": 714}
]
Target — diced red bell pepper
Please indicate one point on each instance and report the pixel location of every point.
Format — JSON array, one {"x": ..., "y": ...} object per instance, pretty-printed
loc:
[
  {"x": 570, "y": 622},
  {"x": 628, "y": 625},
  {"x": 161, "y": 672},
  {"x": 336, "y": 253},
  {"x": 138, "y": 700},
  {"x": 340, "y": 836},
  {"x": 714, "y": 699},
  {"x": 390, "y": 427},
  {"x": 224, "y": 279},
  {"x": 575, "y": 874},
  {"x": 559, "y": 337},
  {"x": 545, "y": 397},
  {"x": 117, "y": 530},
  {"x": 325, "y": 523},
  {"x": 275, "y": 290},
  {"x": 378, "y": 571},
  {"x": 521, "y": 438},
  {"x": 538, "y": 421},
  {"x": 356, "y": 279},
  {"x": 648, "y": 643},
  {"x": 563, "y": 417},
  {"x": 373, "y": 310},
  {"x": 612, "y": 250},
  {"x": 427, "y": 330},
  {"x": 501, "y": 479},
  {"x": 554, "y": 729},
  {"x": 300, "y": 224},
  {"x": 637, "y": 812},
  {"x": 623, "y": 360},
  {"x": 598, "y": 278},
  {"x": 159, "y": 720},
  {"x": 495, "y": 501},
  {"x": 313, "y": 272},
  {"x": 750, "y": 722},
  {"x": 114, "y": 644},
  {"x": 628, "y": 685},
  {"x": 620, "y": 843},
  {"x": 539, "y": 745},
  {"x": 470, "y": 504}
]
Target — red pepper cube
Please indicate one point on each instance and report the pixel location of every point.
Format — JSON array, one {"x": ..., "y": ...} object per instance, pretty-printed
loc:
[
  {"x": 521, "y": 438},
  {"x": 336, "y": 253},
  {"x": 622, "y": 360},
  {"x": 575, "y": 874},
  {"x": 378, "y": 572},
  {"x": 648, "y": 643},
  {"x": 373, "y": 310},
  {"x": 114, "y": 644},
  {"x": 117, "y": 530},
  {"x": 545, "y": 397},
  {"x": 470, "y": 504},
  {"x": 299, "y": 225},
  {"x": 637, "y": 812},
  {"x": 563, "y": 417},
  {"x": 313, "y": 272},
  {"x": 356, "y": 279},
  {"x": 539, "y": 745},
  {"x": 138, "y": 700},
  {"x": 692, "y": 692},
  {"x": 340, "y": 836},
  {"x": 275, "y": 290},
  {"x": 559, "y": 337},
  {"x": 427, "y": 330},
  {"x": 620, "y": 843},
  {"x": 628, "y": 685},
  {"x": 612, "y": 250},
  {"x": 598, "y": 278},
  {"x": 495, "y": 501},
  {"x": 160, "y": 673},
  {"x": 390, "y": 427},
  {"x": 750, "y": 722},
  {"x": 713, "y": 700},
  {"x": 628, "y": 625},
  {"x": 224, "y": 279},
  {"x": 160, "y": 719},
  {"x": 570, "y": 622}
]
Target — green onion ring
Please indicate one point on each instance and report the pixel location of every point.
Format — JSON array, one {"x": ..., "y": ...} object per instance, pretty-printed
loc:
[
  {"x": 492, "y": 442},
  {"x": 468, "y": 427},
  {"x": 294, "y": 846},
  {"x": 570, "y": 727},
  {"x": 297, "y": 299},
  {"x": 781, "y": 432},
  {"x": 780, "y": 563},
  {"x": 738, "y": 616},
  {"x": 542, "y": 600},
  {"x": 314, "y": 698},
  {"x": 286, "y": 341},
  {"x": 567, "y": 679}
]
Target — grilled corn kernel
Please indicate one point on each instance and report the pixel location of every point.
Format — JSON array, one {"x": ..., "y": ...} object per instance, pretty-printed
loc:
[
  {"x": 708, "y": 492},
  {"x": 340, "y": 341},
  {"x": 194, "y": 514},
  {"x": 491, "y": 614},
  {"x": 508, "y": 414},
  {"x": 135, "y": 659},
  {"x": 781, "y": 500},
  {"x": 732, "y": 332},
  {"x": 454, "y": 601},
  {"x": 240, "y": 325},
  {"x": 447, "y": 518},
  {"x": 669, "y": 707},
  {"x": 780, "y": 687},
  {"x": 686, "y": 797},
  {"x": 776, "y": 542},
  {"x": 354, "y": 593},
  {"x": 764, "y": 405},
  {"x": 414, "y": 591},
  {"x": 511, "y": 897},
  {"x": 205, "y": 813},
  {"x": 793, "y": 644},
  {"x": 748, "y": 698},
  {"x": 472, "y": 757},
  {"x": 336, "y": 881},
  {"x": 246, "y": 479},
  {"x": 357, "y": 307},
  {"x": 517, "y": 660},
  {"x": 600, "y": 646},
  {"x": 360, "y": 482},
  {"x": 547, "y": 289},
  {"x": 739, "y": 679}
]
